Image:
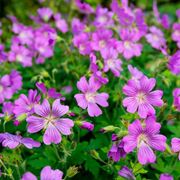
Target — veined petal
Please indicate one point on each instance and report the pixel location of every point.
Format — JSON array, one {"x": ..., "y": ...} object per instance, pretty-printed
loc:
[
  {"x": 158, "y": 142},
  {"x": 51, "y": 135},
  {"x": 101, "y": 99},
  {"x": 93, "y": 110},
  {"x": 59, "y": 110},
  {"x": 146, "y": 154},
  {"x": 82, "y": 84},
  {"x": 43, "y": 110},
  {"x": 81, "y": 100},
  {"x": 130, "y": 143}
]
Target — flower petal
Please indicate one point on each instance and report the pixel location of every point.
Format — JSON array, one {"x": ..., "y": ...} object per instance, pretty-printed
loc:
[
  {"x": 43, "y": 110},
  {"x": 81, "y": 100},
  {"x": 101, "y": 99},
  {"x": 93, "y": 110},
  {"x": 82, "y": 84}
]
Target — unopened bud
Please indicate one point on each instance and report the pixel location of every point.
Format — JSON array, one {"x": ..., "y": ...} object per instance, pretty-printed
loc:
[{"x": 72, "y": 171}]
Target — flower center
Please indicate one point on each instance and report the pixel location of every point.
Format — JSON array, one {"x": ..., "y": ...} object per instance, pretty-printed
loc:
[
  {"x": 102, "y": 43},
  {"x": 102, "y": 19},
  {"x": 1, "y": 88},
  {"x": 155, "y": 37},
  {"x": 127, "y": 45},
  {"x": 90, "y": 97},
  {"x": 110, "y": 63},
  {"x": 142, "y": 138},
  {"x": 19, "y": 58},
  {"x": 81, "y": 47},
  {"x": 141, "y": 97}
]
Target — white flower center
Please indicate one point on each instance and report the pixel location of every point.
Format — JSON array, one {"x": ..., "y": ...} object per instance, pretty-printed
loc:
[
  {"x": 155, "y": 37},
  {"x": 141, "y": 97},
  {"x": 102, "y": 43},
  {"x": 102, "y": 19},
  {"x": 90, "y": 97},
  {"x": 127, "y": 45},
  {"x": 142, "y": 138},
  {"x": 19, "y": 58},
  {"x": 81, "y": 47},
  {"x": 1, "y": 88},
  {"x": 110, "y": 63}
]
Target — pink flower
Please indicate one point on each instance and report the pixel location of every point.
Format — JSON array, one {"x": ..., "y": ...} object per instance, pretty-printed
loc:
[
  {"x": 89, "y": 98},
  {"x": 25, "y": 104},
  {"x": 45, "y": 13},
  {"x": 176, "y": 33},
  {"x": 135, "y": 73},
  {"x": 61, "y": 24},
  {"x": 51, "y": 121},
  {"x": 156, "y": 38},
  {"x": 175, "y": 143},
  {"x": 140, "y": 98},
  {"x": 46, "y": 174},
  {"x": 166, "y": 176},
  {"x": 12, "y": 141},
  {"x": 174, "y": 63},
  {"x": 145, "y": 137},
  {"x": 84, "y": 7},
  {"x": 87, "y": 125},
  {"x": 128, "y": 46},
  {"x": 111, "y": 61},
  {"x": 176, "y": 95}
]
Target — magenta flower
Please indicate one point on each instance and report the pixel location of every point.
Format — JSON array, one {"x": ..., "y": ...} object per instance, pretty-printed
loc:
[
  {"x": 117, "y": 151},
  {"x": 49, "y": 93},
  {"x": 12, "y": 141},
  {"x": 87, "y": 125},
  {"x": 141, "y": 98},
  {"x": 156, "y": 38},
  {"x": 20, "y": 54},
  {"x": 25, "y": 104},
  {"x": 51, "y": 121},
  {"x": 46, "y": 174},
  {"x": 28, "y": 176},
  {"x": 176, "y": 95},
  {"x": 101, "y": 39},
  {"x": 111, "y": 61},
  {"x": 174, "y": 63},
  {"x": 84, "y": 7},
  {"x": 175, "y": 143},
  {"x": 9, "y": 84},
  {"x": 126, "y": 173},
  {"x": 77, "y": 26},
  {"x": 3, "y": 54},
  {"x": 89, "y": 98},
  {"x": 7, "y": 109},
  {"x": 129, "y": 46},
  {"x": 104, "y": 18},
  {"x": 61, "y": 24},
  {"x": 135, "y": 73},
  {"x": 45, "y": 13},
  {"x": 145, "y": 137},
  {"x": 176, "y": 33},
  {"x": 82, "y": 42},
  {"x": 166, "y": 176}
]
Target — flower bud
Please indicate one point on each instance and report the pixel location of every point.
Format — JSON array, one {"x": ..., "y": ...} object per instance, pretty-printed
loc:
[{"x": 72, "y": 171}]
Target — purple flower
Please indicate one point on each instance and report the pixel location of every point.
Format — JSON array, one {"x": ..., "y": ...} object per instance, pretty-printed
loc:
[
  {"x": 89, "y": 98},
  {"x": 49, "y": 93},
  {"x": 7, "y": 109},
  {"x": 61, "y": 24},
  {"x": 28, "y": 176},
  {"x": 175, "y": 143},
  {"x": 87, "y": 125},
  {"x": 77, "y": 26},
  {"x": 178, "y": 13},
  {"x": 20, "y": 54},
  {"x": 51, "y": 121},
  {"x": 117, "y": 151},
  {"x": 101, "y": 39},
  {"x": 145, "y": 137},
  {"x": 46, "y": 174},
  {"x": 174, "y": 63},
  {"x": 111, "y": 61},
  {"x": 67, "y": 89},
  {"x": 128, "y": 46},
  {"x": 9, "y": 84},
  {"x": 176, "y": 95},
  {"x": 176, "y": 33},
  {"x": 166, "y": 176},
  {"x": 25, "y": 104},
  {"x": 3, "y": 54},
  {"x": 12, "y": 141},
  {"x": 104, "y": 18},
  {"x": 82, "y": 42},
  {"x": 84, "y": 7},
  {"x": 156, "y": 38},
  {"x": 126, "y": 173},
  {"x": 135, "y": 73},
  {"x": 45, "y": 13},
  {"x": 141, "y": 98}
]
